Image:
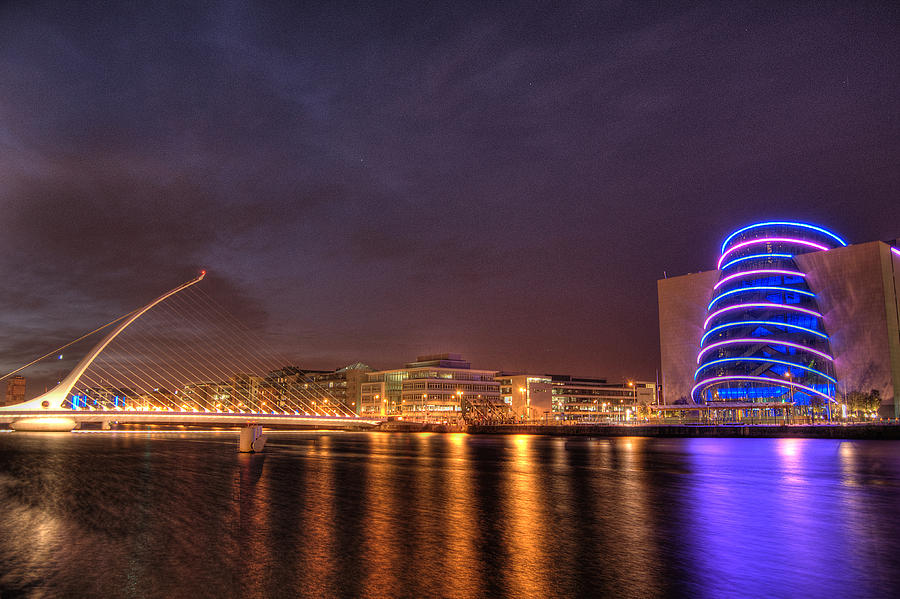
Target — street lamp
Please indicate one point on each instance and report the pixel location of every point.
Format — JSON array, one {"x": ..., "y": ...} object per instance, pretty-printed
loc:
[
  {"x": 791, "y": 391},
  {"x": 425, "y": 405},
  {"x": 633, "y": 395}
]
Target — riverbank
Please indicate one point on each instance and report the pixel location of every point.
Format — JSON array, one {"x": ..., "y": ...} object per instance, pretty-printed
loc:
[
  {"x": 801, "y": 431},
  {"x": 888, "y": 432}
]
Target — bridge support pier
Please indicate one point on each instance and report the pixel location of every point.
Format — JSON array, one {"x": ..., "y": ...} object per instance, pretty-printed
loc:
[
  {"x": 57, "y": 425},
  {"x": 252, "y": 439}
]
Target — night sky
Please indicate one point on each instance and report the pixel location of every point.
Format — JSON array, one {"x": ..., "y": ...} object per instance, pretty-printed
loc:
[{"x": 374, "y": 182}]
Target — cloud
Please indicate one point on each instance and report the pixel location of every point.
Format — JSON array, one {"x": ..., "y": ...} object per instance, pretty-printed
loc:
[{"x": 372, "y": 176}]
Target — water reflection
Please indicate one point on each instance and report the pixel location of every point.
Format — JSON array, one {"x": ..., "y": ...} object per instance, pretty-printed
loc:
[
  {"x": 527, "y": 523},
  {"x": 774, "y": 518},
  {"x": 380, "y": 515}
]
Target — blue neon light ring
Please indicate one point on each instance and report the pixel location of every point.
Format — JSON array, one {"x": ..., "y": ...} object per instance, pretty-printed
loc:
[
  {"x": 736, "y": 260},
  {"x": 763, "y": 379},
  {"x": 772, "y": 272},
  {"x": 782, "y": 223},
  {"x": 761, "y": 323},
  {"x": 760, "y": 306},
  {"x": 761, "y": 287},
  {"x": 762, "y": 341},
  {"x": 755, "y": 359}
]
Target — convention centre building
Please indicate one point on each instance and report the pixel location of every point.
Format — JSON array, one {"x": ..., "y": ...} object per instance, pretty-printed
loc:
[{"x": 792, "y": 313}]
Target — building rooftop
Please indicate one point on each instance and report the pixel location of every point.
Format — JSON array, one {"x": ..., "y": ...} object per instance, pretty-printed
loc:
[{"x": 440, "y": 361}]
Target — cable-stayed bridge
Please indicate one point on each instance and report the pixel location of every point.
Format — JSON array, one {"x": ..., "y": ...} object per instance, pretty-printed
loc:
[{"x": 181, "y": 359}]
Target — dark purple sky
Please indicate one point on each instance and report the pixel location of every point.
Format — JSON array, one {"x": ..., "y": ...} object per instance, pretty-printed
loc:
[{"x": 376, "y": 182}]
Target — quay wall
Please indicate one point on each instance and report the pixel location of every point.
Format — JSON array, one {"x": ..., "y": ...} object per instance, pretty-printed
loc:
[{"x": 818, "y": 431}]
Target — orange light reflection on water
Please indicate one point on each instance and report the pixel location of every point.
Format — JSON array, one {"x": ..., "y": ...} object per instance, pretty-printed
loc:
[{"x": 527, "y": 573}]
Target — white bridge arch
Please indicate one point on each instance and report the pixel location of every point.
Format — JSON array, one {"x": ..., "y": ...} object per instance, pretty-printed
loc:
[
  {"x": 54, "y": 398},
  {"x": 49, "y": 412}
]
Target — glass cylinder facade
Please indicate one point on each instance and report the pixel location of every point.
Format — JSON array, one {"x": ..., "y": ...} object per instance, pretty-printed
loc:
[{"x": 764, "y": 338}]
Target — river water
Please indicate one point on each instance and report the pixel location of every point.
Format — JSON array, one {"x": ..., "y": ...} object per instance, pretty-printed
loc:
[{"x": 343, "y": 514}]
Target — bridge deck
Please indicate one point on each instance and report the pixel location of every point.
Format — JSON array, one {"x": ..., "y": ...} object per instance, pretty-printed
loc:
[{"x": 210, "y": 418}]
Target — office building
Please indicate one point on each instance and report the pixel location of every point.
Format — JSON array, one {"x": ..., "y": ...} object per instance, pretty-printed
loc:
[
  {"x": 529, "y": 396},
  {"x": 438, "y": 388},
  {"x": 15, "y": 390},
  {"x": 562, "y": 397}
]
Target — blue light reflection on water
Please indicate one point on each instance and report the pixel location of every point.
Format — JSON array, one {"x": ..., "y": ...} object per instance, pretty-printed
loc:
[
  {"x": 368, "y": 514},
  {"x": 794, "y": 517}
]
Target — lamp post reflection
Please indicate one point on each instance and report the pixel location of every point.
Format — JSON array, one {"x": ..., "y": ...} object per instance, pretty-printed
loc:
[{"x": 791, "y": 392}]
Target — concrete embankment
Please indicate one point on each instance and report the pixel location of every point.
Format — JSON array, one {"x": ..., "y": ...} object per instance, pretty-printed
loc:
[
  {"x": 819, "y": 431},
  {"x": 407, "y": 426}
]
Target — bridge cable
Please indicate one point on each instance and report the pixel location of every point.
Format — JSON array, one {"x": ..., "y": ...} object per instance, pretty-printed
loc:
[{"x": 58, "y": 349}]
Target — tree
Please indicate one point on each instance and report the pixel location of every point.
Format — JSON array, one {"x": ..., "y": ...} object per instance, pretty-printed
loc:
[
  {"x": 860, "y": 401},
  {"x": 816, "y": 403},
  {"x": 872, "y": 401},
  {"x": 854, "y": 401},
  {"x": 642, "y": 410}
]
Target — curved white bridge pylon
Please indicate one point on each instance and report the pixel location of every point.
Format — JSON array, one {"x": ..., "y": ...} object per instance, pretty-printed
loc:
[
  {"x": 54, "y": 398},
  {"x": 286, "y": 396}
]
